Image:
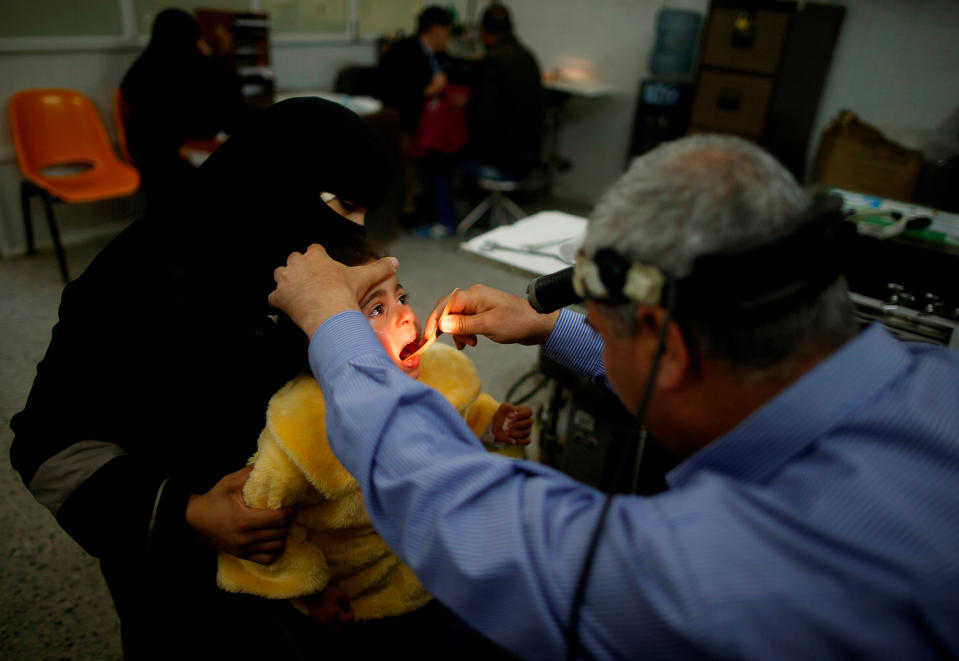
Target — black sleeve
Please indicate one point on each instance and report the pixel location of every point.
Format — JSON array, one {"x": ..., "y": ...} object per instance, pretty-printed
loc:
[
  {"x": 484, "y": 106},
  {"x": 403, "y": 77},
  {"x": 79, "y": 441}
]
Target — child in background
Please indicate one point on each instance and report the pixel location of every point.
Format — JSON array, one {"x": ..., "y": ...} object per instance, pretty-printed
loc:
[{"x": 335, "y": 566}]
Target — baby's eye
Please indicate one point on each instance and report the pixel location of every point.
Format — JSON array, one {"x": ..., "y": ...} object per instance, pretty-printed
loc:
[
  {"x": 403, "y": 299},
  {"x": 348, "y": 207},
  {"x": 375, "y": 311}
]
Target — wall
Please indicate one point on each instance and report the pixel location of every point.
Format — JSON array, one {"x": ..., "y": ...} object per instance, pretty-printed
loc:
[
  {"x": 614, "y": 38},
  {"x": 895, "y": 65}
]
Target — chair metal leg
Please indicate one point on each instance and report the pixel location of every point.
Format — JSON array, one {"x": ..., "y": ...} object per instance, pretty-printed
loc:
[
  {"x": 26, "y": 190},
  {"x": 495, "y": 211},
  {"x": 55, "y": 235},
  {"x": 473, "y": 216},
  {"x": 513, "y": 208}
]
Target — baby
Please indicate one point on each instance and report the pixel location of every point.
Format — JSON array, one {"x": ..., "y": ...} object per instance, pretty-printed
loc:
[
  {"x": 334, "y": 566},
  {"x": 398, "y": 329}
]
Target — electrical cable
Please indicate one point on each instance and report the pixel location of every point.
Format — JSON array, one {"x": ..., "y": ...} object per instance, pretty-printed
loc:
[
  {"x": 521, "y": 381},
  {"x": 572, "y": 633}
]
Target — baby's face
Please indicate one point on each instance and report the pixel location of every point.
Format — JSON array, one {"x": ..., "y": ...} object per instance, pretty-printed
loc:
[{"x": 394, "y": 322}]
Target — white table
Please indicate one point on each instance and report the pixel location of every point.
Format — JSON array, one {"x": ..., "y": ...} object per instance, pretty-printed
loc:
[
  {"x": 561, "y": 90},
  {"x": 554, "y": 233},
  {"x": 586, "y": 87}
]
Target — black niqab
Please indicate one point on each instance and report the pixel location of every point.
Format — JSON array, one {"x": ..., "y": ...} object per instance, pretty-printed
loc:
[
  {"x": 257, "y": 198},
  {"x": 166, "y": 344},
  {"x": 174, "y": 33}
]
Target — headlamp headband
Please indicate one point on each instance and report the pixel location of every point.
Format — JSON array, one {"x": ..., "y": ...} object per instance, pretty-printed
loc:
[
  {"x": 611, "y": 278},
  {"x": 762, "y": 277}
]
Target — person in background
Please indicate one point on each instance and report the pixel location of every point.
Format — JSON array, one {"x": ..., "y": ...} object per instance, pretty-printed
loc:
[
  {"x": 178, "y": 96},
  {"x": 148, "y": 402},
  {"x": 412, "y": 71},
  {"x": 814, "y": 513},
  {"x": 507, "y": 105}
]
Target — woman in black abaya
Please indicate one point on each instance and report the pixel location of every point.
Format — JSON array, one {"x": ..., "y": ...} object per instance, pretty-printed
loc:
[
  {"x": 175, "y": 92},
  {"x": 154, "y": 386}
]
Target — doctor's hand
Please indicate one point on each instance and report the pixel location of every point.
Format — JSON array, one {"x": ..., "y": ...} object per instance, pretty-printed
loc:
[
  {"x": 502, "y": 317},
  {"x": 312, "y": 287},
  {"x": 221, "y": 518}
]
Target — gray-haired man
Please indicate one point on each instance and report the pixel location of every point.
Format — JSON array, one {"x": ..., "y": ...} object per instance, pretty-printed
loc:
[{"x": 814, "y": 513}]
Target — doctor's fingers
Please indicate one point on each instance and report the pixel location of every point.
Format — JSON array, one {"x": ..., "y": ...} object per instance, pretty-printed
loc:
[{"x": 500, "y": 316}]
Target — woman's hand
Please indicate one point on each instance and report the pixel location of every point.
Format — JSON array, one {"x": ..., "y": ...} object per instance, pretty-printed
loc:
[
  {"x": 512, "y": 424},
  {"x": 436, "y": 84},
  {"x": 331, "y": 607},
  {"x": 221, "y": 519}
]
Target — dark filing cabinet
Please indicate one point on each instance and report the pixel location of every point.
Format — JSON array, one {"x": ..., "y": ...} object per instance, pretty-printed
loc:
[
  {"x": 242, "y": 40},
  {"x": 762, "y": 69},
  {"x": 662, "y": 114}
]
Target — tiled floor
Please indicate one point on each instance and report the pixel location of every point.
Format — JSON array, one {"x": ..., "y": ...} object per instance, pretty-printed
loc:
[{"x": 53, "y": 602}]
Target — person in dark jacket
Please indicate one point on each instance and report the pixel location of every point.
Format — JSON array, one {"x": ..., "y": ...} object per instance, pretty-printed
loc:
[
  {"x": 506, "y": 109},
  {"x": 413, "y": 70},
  {"x": 176, "y": 92},
  {"x": 147, "y": 404}
]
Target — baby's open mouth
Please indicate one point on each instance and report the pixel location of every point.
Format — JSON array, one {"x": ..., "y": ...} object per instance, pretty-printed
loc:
[{"x": 409, "y": 349}]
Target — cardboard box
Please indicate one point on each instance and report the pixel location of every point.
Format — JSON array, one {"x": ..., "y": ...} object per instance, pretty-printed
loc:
[{"x": 856, "y": 156}]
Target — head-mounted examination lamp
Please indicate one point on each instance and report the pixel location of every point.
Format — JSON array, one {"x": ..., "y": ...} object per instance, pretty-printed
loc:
[{"x": 760, "y": 277}]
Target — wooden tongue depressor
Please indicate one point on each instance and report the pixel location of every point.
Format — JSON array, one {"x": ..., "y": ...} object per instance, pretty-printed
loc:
[{"x": 429, "y": 337}]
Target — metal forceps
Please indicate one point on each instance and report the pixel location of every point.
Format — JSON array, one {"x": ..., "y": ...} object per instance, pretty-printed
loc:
[{"x": 494, "y": 245}]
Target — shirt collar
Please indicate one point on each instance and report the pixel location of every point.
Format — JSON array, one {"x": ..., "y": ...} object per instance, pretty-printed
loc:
[{"x": 806, "y": 409}]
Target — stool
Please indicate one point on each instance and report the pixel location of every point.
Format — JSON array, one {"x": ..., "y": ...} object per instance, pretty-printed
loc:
[{"x": 501, "y": 209}]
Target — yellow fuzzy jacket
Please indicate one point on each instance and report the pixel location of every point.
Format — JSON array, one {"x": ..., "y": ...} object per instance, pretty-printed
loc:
[{"x": 332, "y": 539}]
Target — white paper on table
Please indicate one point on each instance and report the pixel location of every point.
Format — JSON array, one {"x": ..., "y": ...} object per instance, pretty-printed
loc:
[{"x": 546, "y": 231}]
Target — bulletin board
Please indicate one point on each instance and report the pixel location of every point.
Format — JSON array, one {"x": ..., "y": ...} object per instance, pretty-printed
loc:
[
  {"x": 145, "y": 11},
  {"x": 130, "y": 21},
  {"x": 60, "y": 18},
  {"x": 387, "y": 17},
  {"x": 307, "y": 16}
]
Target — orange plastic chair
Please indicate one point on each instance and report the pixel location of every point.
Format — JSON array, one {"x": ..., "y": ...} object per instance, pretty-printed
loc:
[
  {"x": 121, "y": 115},
  {"x": 59, "y": 129}
]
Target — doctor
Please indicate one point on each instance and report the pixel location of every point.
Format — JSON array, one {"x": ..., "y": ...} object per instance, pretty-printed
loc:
[{"x": 814, "y": 513}]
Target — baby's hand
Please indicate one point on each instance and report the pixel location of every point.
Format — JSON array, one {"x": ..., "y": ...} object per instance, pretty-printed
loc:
[{"x": 513, "y": 424}]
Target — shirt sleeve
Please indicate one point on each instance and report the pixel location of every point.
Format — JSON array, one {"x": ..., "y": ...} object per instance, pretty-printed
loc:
[
  {"x": 577, "y": 346},
  {"x": 500, "y": 541}
]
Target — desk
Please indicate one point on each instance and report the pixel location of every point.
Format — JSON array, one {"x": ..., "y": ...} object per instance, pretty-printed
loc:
[
  {"x": 361, "y": 105},
  {"x": 551, "y": 237},
  {"x": 589, "y": 89},
  {"x": 558, "y": 93}
]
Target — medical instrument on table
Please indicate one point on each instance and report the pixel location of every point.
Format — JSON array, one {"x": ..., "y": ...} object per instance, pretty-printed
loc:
[
  {"x": 432, "y": 330},
  {"x": 493, "y": 245},
  {"x": 546, "y": 244},
  {"x": 900, "y": 223}
]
